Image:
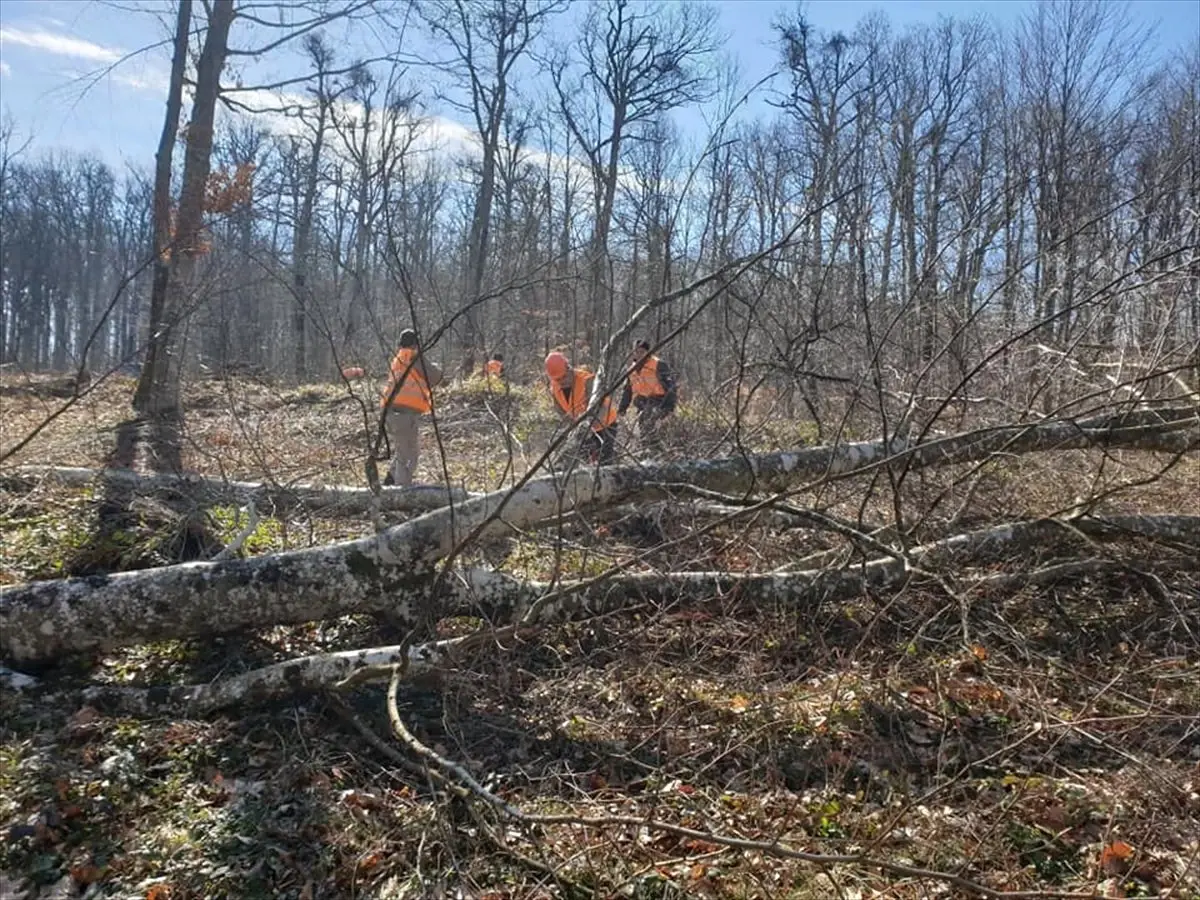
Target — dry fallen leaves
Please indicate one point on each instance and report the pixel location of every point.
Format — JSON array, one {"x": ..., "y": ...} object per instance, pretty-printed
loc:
[
  {"x": 1116, "y": 858},
  {"x": 86, "y": 873},
  {"x": 82, "y": 723},
  {"x": 360, "y": 799},
  {"x": 371, "y": 861}
]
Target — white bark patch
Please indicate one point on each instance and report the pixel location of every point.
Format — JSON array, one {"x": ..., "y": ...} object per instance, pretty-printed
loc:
[{"x": 282, "y": 680}]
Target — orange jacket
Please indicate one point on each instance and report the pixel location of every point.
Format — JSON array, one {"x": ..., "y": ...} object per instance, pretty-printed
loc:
[
  {"x": 494, "y": 369},
  {"x": 644, "y": 379},
  {"x": 576, "y": 405},
  {"x": 414, "y": 390}
]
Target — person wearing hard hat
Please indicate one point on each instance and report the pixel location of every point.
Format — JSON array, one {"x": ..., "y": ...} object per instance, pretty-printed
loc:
[
  {"x": 569, "y": 386},
  {"x": 651, "y": 389},
  {"x": 406, "y": 399}
]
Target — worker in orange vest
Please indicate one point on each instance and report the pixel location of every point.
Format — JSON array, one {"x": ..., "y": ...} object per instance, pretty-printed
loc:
[
  {"x": 406, "y": 399},
  {"x": 651, "y": 389},
  {"x": 493, "y": 369},
  {"x": 570, "y": 388}
]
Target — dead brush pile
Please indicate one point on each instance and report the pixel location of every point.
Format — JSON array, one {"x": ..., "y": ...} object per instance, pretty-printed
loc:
[{"x": 969, "y": 729}]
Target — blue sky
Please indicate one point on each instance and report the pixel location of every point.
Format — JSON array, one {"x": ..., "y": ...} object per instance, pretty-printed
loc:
[{"x": 49, "y": 47}]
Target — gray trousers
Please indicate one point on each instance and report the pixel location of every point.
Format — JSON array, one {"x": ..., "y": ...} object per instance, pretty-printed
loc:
[{"x": 403, "y": 431}]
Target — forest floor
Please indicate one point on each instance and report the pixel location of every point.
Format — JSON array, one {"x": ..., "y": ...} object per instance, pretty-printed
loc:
[{"x": 1056, "y": 748}]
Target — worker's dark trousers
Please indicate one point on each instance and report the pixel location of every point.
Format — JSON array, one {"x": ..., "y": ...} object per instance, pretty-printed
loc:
[
  {"x": 601, "y": 446},
  {"x": 651, "y": 412}
]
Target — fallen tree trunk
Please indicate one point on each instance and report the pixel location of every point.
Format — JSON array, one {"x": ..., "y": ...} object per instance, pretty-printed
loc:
[
  {"x": 307, "y": 674},
  {"x": 336, "y": 500},
  {"x": 503, "y": 599},
  {"x": 529, "y": 604},
  {"x": 393, "y": 570}
]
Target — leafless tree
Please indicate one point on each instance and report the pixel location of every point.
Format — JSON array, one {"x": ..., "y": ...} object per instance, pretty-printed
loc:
[
  {"x": 634, "y": 64},
  {"x": 159, "y": 387},
  {"x": 488, "y": 40}
]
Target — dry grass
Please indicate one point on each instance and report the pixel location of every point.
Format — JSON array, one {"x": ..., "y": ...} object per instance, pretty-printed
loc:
[
  {"x": 1066, "y": 734},
  {"x": 251, "y": 430}
]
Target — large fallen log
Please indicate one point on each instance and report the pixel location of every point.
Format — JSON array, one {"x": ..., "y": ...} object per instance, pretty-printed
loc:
[
  {"x": 393, "y": 570},
  {"x": 335, "y": 500},
  {"x": 505, "y": 600}
]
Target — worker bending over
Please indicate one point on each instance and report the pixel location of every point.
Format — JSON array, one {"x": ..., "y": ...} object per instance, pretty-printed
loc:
[
  {"x": 405, "y": 400},
  {"x": 651, "y": 388},
  {"x": 569, "y": 386}
]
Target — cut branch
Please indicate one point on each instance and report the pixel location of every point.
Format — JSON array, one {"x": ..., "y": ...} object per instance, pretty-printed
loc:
[{"x": 286, "y": 679}]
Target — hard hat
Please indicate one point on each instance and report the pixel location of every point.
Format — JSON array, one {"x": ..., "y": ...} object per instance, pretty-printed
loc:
[{"x": 557, "y": 365}]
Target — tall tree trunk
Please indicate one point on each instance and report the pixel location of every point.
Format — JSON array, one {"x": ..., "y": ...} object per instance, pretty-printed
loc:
[
  {"x": 300, "y": 263},
  {"x": 153, "y": 364},
  {"x": 600, "y": 291},
  {"x": 477, "y": 242},
  {"x": 158, "y": 391}
]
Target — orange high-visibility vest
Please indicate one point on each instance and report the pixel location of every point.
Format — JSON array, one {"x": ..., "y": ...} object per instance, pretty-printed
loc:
[
  {"x": 580, "y": 400},
  {"x": 414, "y": 390},
  {"x": 494, "y": 368},
  {"x": 644, "y": 379}
]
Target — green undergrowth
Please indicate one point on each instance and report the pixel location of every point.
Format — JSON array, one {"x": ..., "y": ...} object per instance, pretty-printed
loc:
[
  {"x": 231, "y": 521},
  {"x": 82, "y": 535}
]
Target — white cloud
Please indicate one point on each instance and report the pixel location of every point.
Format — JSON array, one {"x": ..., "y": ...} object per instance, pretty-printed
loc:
[
  {"x": 58, "y": 44},
  {"x": 434, "y": 133},
  {"x": 5, "y": 68},
  {"x": 155, "y": 82}
]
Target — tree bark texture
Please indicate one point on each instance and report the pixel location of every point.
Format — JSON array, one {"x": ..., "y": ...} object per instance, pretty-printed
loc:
[
  {"x": 158, "y": 390},
  {"x": 527, "y": 605}
]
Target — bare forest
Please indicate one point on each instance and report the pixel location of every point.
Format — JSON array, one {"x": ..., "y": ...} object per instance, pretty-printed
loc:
[{"x": 903, "y": 599}]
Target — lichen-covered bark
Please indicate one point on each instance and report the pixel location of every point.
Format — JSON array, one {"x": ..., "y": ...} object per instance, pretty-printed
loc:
[
  {"x": 282, "y": 680},
  {"x": 335, "y": 500},
  {"x": 508, "y": 600},
  {"x": 42, "y": 620},
  {"x": 1016, "y": 536},
  {"x": 390, "y": 570},
  {"x": 1168, "y": 430}
]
